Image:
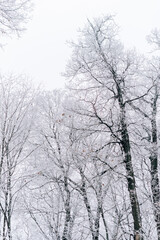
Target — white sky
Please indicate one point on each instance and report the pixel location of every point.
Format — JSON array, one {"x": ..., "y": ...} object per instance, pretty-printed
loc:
[{"x": 42, "y": 52}]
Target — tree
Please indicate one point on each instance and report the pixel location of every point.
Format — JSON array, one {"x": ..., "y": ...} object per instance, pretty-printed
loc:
[
  {"x": 105, "y": 79},
  {"x": 150, "y": 126},
  {"x": 15, "y": 127},
  {"x": 57, "y": 201}
]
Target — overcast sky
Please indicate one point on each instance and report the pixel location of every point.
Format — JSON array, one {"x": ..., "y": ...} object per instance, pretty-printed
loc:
[{"x": 42, "y": 52}]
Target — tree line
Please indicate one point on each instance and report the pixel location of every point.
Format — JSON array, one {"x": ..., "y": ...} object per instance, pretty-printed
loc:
[{"x": 83, "y": 162}]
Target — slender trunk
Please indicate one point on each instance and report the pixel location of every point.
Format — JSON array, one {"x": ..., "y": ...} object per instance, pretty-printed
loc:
[
  {"x": 68, "y": 212},
  {"x": 2, "y": 224},
  {"x": 9, "y": 206},
  {"x": 97, "y": 224},
  {"x": 88, "y": 208},
  {"x": 154, "y": 166},
  {"x": 5, "y": 220},
  {"x": 4, "y": 229},
  {"x": 93, "y": 222},
  {"x": 105, "y": 224},
  {"x": 126, "y": 148}
]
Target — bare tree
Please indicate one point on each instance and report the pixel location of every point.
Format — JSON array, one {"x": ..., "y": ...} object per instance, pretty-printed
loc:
[
  {"x": 58, "y": 202},
  {"x": 15, "y": 127},
  {"x": 149, "y": 110},
  {"x": 106, "y": 81}
]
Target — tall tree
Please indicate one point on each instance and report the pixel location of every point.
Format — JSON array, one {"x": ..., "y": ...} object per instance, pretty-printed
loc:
[
  {"x": 15, "y": 127},
  {"x": 55, "y": 215},
  {"x": 105, "y": 77}
]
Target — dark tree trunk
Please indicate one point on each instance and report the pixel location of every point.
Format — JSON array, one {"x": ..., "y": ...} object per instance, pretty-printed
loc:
[{"x": 126, "y": 148}]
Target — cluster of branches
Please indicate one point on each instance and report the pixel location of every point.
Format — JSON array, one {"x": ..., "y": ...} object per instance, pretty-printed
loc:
[{"x": 13, "y": 15}]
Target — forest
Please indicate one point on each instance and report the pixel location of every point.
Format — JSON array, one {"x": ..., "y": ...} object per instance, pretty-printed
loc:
[{"x": 82, "y": 163}]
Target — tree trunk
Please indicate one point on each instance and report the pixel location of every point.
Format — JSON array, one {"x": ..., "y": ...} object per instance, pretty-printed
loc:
[
  {"x": 67, "y": 211},
  {"x": 126, "y": 148},
  {"x": 93, "y": 222},
  {"x": 154, "y": 166}
]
